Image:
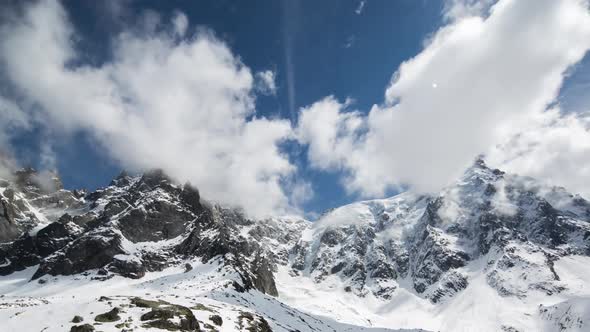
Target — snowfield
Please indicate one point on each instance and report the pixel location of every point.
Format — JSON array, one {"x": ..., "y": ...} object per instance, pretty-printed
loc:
[
  {"x": 51, "y": 304},
  {"x": 478, "y": 308}
]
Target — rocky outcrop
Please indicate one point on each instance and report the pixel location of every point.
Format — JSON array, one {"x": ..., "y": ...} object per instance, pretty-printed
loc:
[
  {"x": 16, "y": 216},
  {"x": 31, "y": 198},
  {"x": 92, "y": 250},
  {"x": 29, "y": 249},
  {"x": 217, "y": 233},
  {"x": 109, "y": 230},
  {"x": 82, "y": 328}
]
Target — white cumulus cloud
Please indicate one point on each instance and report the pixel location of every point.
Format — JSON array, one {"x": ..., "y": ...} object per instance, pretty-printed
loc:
[
  {"x": 475, "y": 82},
  {"x": 184, "y": 103}
]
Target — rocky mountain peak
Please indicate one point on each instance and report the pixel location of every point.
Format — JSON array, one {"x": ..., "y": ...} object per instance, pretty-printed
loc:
[
  {"x": 375, "y": 247},
  {"x": 490, "y": 229},
  {"x": 121, "y": 180},
  {"x": 30, "y": 198},
  {"x": 136, "y": 225},
  {"x": 32, "y": 182}
]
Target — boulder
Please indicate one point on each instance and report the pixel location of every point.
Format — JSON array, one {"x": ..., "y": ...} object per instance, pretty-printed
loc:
[
  {"x": 82, "y": 328},
  {"x": 107, "y": 317},
  {"x": 216, "y": 319}
]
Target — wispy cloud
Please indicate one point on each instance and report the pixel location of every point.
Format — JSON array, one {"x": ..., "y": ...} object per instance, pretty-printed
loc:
[
  {"x": 290, "y": 13},
  {"x": 552, "y": 146},
  {"x": 167, "y": 99},
  {"x": 477, "y": 81},
  {"x": 350, "y": 41},
  {"x": 361, "y": 6}
]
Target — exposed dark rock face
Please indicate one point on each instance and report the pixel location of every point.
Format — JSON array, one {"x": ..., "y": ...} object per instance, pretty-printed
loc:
[
  {"x": 8, "y": 228},
  {"x": 221, "y": 239},
  {"x": 100, "y": 230},
  {"x": 432, "y": 257},
  {"x": 190, "y": 196},
  {"x": 153, "y": 222},
  {"x": 18, "y": 255},
  {"x": 92, "y": 250},
  {"x": 55, "y": 236},
  {"x": 261, "y": 274},
  {"x": 28, "y": 250}
]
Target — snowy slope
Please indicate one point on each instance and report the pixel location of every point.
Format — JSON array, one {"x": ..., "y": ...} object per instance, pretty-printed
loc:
[
  {"x": 203, "y": 290},
  {"x": 149, "y": 240}
]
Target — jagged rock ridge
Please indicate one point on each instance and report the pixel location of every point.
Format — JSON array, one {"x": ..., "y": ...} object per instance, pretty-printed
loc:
[
  {"x": 507, "y": 230},
  {"x": 136, "y": 225},
  {"x": 517, "y": 226}
]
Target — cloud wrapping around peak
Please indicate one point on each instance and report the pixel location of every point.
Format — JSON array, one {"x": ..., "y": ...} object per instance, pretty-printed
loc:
[
  {"x": 476, "y": 81},
  {"x": 167, "y": 99},
  {"x": 551, "y": 147}
]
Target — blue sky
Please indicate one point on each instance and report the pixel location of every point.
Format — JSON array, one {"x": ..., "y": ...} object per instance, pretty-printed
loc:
[
  {"x": 383, "y": 35},
  {"x": 333, "y": 48}
]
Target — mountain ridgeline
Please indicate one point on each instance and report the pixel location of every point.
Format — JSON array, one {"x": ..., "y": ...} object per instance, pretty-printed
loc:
[
  {"x": 104, "y": 231},
  {"x": 489, "y": 231}
]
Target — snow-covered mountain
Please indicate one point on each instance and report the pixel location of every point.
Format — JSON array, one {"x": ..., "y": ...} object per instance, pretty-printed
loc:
[{"x": 491, "y": 252}]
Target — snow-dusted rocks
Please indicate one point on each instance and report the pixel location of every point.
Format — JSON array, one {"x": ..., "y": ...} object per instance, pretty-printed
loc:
[
  {"x": 492, "y": 252},
  {"x": 137, "y": 225},
  {"x": 30, "y": 199},
  {"x": 508, "y": 221},
  {"x": 490, "y": 236}
]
